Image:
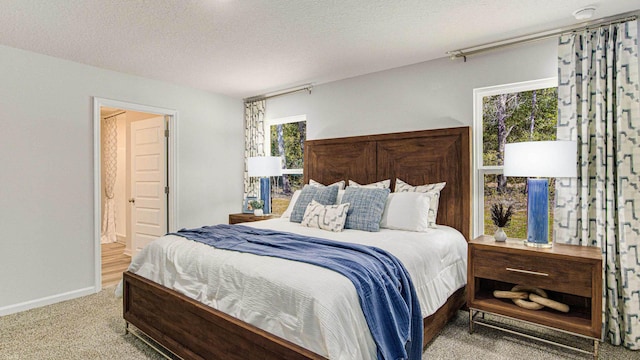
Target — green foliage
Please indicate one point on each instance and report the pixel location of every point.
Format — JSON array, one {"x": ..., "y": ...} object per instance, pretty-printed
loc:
[
  {"x": 516, "y": 196},
  {"x": 508, "y": 118},
  {"x": 287, "y": 141},
  {"x": 256, "y": 204},
  {"x": 293, "y": 136},
  {"x": 517, "y": 111}
]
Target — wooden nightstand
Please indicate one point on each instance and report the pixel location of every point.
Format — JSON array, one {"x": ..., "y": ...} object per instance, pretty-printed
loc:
[
  {"x": 569, "y": 274},
  {"x": 242, "y": 218}
]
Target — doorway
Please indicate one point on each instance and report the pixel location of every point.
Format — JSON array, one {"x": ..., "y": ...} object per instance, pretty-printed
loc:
[{"x": 134, "y": 181}]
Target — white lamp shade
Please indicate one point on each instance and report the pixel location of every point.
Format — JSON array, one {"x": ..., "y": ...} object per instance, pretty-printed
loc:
[
  {"x": 262, "y": 166},
  {"x": 541, "y": 159}
]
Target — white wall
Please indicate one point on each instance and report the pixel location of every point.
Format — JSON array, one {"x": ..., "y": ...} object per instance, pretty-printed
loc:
[
  {"x": 46, "y": 168},
  {"x": 428, "y": 95},
  {"x": 433, "y": 94}
]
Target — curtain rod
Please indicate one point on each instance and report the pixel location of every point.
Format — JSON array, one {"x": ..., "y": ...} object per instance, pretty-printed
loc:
[
  {"x": 116, "y": 114},
  {"x": 307, "y": 87},
  {"x": 542, "y": 35}
]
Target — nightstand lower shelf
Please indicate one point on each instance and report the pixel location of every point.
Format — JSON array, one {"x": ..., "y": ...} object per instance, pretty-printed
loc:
[
  {"x": 577, "y": 321},
  {"x": 473, "y": 320}
]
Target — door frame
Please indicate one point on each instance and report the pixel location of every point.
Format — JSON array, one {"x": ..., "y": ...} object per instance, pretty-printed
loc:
[{"x": 172, "y": 171}]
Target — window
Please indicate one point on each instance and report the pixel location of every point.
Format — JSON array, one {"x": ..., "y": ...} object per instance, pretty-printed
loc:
[
  {"x": 505, "y": 114},
  {"x": 285, "y": 138}
]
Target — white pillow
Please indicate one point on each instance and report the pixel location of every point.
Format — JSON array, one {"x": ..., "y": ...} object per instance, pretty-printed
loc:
[
  {"x": 384, "y": 184},
  {"x": 433, "y": 190},
  {"x": 339, "y": 183},
  {"x": 406, "y": 211},
  {"x": 326, "y": 217},
  {"x": 287, "y": 213},
  {"x": 339, "y": 197}
]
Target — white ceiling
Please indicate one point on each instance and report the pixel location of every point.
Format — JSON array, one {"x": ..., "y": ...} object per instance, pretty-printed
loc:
[{"x": 243, "y": 48}]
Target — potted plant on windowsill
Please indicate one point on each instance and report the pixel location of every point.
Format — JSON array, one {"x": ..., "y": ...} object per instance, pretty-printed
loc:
[
  {"x": 501, "y": 218},
  {"x": 257, "y": 206}
]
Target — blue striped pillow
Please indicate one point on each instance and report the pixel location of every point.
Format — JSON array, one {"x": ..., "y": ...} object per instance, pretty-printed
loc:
[
  {"x": 324, "y": 195},
  {"x": 366, "y": 207}
]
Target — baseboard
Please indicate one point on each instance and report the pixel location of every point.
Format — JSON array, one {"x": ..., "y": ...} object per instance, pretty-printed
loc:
[{"x": 32, "y": 304}]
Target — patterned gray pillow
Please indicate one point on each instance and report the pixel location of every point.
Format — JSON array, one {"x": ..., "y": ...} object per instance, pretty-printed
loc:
[
  {"x": 432, "y": 190},
  {"x": 339, "y": 183},
  {"x": 384, "y": 184},
  {"x": 325, "y": 217},
  {"x": 367, "y": 206},
  {"x": 324, "y": 195}
]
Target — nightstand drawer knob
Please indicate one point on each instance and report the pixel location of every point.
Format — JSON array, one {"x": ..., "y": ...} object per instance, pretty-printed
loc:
[{"x": 527, "y": 272}]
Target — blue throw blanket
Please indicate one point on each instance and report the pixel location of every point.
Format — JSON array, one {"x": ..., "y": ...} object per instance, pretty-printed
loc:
[{"x": 386, "y": 293}]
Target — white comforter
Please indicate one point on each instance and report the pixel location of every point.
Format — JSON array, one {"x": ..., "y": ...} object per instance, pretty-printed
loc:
[{"x": 311, "y": 306}]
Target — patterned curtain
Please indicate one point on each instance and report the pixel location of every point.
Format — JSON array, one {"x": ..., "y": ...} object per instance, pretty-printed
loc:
[
  {"x": 253, "y": 141},
  {"x": 599, "y": 107},
  {"x": 109, "y": 163}
]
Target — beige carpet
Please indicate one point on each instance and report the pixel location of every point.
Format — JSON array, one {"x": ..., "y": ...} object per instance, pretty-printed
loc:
[{"x": 92, "y": 328}]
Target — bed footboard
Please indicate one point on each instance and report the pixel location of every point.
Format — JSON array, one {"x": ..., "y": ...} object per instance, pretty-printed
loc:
[{"x": 193, "y": 330}]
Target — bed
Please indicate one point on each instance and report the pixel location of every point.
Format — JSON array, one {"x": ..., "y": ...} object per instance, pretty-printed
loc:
[{"x": 193, "y": 330}]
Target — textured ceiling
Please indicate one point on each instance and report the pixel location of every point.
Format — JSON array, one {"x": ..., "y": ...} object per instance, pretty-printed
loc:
[{"x": 248, "y": 47}]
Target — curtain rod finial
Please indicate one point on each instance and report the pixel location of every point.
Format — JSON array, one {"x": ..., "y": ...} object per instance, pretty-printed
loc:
[{"x": 457, "y": 54}]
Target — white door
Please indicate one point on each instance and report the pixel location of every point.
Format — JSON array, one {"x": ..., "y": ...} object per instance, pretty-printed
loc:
[{"x": 148, "y": 181}]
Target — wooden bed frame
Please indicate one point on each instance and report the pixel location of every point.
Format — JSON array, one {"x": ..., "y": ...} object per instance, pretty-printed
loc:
[{"x": 192, "y": 330}]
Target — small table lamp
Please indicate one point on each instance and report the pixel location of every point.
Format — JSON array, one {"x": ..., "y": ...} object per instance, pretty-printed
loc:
[
  {"x": 264, "y": 167},
  {"x": 542, "y": 159}
]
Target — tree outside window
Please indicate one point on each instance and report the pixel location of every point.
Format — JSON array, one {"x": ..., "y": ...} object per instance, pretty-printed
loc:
[
  {"x": 507, "y": 114},
  {"x": 286, "y": 140}
]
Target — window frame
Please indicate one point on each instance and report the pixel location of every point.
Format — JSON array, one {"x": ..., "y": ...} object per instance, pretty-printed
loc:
[{"x": 479, "y": 170}]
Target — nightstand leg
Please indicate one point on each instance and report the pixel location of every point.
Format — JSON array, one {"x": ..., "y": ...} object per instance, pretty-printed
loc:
[
  {"x": 470, "y": 321},
  {"x": 596, "y": 344}
]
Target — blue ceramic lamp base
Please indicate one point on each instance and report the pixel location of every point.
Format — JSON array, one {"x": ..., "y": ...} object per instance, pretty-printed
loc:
[
  {"x": 265, "y": 194},
  {"x": 538, "y": 213}
]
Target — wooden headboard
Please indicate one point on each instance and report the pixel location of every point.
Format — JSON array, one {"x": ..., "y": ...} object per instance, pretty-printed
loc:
[{"x": 417, "y": 157}]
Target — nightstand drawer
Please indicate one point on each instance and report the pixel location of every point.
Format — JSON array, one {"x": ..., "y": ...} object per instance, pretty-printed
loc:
[{"x": 571, "y": 277}]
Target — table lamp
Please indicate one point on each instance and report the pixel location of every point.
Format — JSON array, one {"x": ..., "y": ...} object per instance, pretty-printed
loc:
[
  {"x": 541, "y": 159},
  {"x": 264, "y": 167}
]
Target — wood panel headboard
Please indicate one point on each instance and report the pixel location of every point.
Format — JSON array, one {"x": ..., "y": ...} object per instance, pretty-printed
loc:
[{"x": 417, "y": 157}]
